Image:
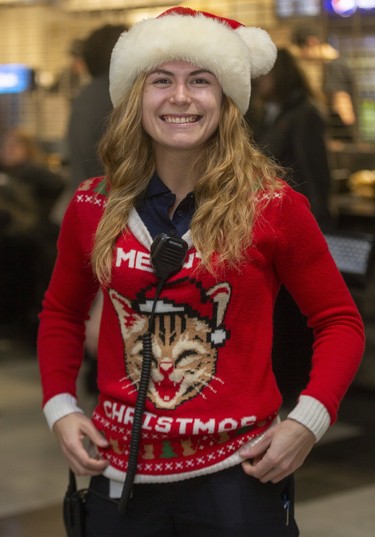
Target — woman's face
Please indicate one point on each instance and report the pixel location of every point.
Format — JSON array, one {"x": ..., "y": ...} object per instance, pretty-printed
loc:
[{"x": 181, "y": 106}]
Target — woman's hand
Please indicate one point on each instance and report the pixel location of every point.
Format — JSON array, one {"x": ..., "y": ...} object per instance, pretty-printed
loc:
[
  {"x": 71, "y": 430},
  {"x": 282, "y": 450}
]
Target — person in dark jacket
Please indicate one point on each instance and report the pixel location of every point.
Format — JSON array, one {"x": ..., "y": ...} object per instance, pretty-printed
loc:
[
  {"x": 92, "y": 106},
  {"x": 289, "y": 126}
]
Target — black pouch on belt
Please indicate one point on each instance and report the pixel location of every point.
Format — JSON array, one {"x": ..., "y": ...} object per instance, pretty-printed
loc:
[{"x": 74, "y": 513}]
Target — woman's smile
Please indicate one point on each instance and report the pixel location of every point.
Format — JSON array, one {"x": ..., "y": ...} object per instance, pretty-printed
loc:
[{"x": 180, "y": 119}]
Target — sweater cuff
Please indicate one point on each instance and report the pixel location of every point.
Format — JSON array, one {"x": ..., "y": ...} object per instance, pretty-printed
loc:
[
  {"x": 312, "y": 414},
  {"x": 59, "y": 406}
]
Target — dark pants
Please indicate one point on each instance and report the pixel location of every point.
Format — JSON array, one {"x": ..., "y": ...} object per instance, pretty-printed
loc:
[{"x": 225, "y": 504}]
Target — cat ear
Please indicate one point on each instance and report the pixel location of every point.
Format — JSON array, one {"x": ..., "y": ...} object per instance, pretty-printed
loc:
[
  {"x": 219, "y": 295},
  {"x": 130, "y": 322}
]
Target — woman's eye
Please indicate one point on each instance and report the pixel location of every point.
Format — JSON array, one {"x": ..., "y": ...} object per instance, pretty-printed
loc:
[
  {"x": 161, "y": 81},
  {"x": 200, "y": 81}
]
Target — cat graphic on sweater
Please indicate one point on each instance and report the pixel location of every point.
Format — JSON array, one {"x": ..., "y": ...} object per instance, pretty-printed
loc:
[{"x": 184, "y": 344}]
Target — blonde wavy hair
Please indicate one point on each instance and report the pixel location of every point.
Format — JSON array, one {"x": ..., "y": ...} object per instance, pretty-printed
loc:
[{"x": 231, "y": 171}]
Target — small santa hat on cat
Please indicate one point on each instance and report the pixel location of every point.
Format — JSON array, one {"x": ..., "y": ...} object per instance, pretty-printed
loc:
[
  {"x": 213, "y": 306},
  {"x": 233, "y": 52}
]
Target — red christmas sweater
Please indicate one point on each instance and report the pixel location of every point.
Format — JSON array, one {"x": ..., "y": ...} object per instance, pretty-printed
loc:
[{"x": 212, "y": 388}]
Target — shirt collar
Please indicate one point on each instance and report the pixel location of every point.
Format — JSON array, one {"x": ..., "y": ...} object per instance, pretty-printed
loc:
[{"x": 156, "y": 187}]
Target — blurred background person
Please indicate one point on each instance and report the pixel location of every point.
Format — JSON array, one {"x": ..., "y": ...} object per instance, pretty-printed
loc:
[
  {"x": 23, "y": 159},
  {"x": 88, "y": 119},
  {"x": 329, "y": 74},
  {"x": 90, "y": 109},
  {"x": 75, "y": 76},
  {"x": 28, "y": 192},
  {"x": 288, "y": 123}
]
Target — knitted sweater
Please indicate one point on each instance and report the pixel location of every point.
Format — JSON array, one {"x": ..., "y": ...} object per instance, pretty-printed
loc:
[{"x": 212, "y": 388}]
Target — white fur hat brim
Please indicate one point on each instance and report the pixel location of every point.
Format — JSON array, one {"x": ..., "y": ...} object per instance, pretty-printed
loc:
[{"x": 234, "y": 56}]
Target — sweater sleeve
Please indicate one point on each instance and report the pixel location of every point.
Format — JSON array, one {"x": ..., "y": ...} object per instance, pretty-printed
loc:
[
  {"x": 66, "y": 304},
  {"x": 307, "y": 269}
]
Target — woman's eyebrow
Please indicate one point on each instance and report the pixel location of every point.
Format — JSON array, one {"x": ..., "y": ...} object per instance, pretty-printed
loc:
[
  {"x": 170, "y": 73},
  {"x": 201, "y": 71}
]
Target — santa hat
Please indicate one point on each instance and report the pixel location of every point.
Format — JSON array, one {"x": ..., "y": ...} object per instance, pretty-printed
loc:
[{"x": 233, "y": 52}]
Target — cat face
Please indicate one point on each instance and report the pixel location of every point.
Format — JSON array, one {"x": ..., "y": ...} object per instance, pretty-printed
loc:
[{"x": 184, "y": 358}]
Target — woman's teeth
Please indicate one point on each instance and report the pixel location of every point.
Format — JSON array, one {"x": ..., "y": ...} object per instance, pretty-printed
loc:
[{"x": 179, "y": 119}]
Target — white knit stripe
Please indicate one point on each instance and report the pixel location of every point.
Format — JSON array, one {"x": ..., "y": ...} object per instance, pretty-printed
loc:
[
  {"x": 139, "y": 230},
  {"x": 117, "y": 477},
  {"x": 141, "y": 233},
  {"x": 312, "y": 414},
  {"x": 59, "y": 406}
]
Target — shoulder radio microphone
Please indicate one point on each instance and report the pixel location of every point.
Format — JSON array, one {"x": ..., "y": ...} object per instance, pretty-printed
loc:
[{"x": 167, "y": 257}]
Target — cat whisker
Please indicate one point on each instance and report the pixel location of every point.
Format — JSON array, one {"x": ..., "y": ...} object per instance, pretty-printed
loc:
[
  {"x": 129, "y": 381},
  {"x": 129, "y": 384},
  {"x": 198, "y": 392},
  {"x": 198, "y": 386},
  {"x": 213, "y": 377},
  {"x": 207, "y": 385},
  {"x": 130, "y": 391},
  {"x": 133, "y": 391},
  {"x": 218, "y": 379}
]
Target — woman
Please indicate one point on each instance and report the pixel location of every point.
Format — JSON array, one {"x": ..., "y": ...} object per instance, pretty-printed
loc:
[
  {"x": 213, "y": 457},
  {"x": 288, "y": 123}
]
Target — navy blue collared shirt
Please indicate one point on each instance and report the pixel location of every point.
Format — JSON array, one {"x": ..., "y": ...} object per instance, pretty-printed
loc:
[{"x": 154, "y": 206}]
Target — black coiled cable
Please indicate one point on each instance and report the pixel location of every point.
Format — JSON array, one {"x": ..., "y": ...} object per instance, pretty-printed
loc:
[
  {"x": 139, "y": 407},
  {"x": 167, "y": 256}
]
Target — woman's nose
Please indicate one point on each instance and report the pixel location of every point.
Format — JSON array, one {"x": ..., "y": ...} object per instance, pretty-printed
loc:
[{"x": 180, "y": 94}]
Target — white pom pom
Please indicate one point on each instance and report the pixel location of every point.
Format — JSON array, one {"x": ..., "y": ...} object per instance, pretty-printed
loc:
[{"x": 262, "y": 49}]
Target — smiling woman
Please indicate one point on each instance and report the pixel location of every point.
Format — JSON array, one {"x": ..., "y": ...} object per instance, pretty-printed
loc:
[
  {"x": 187, "y": 415},
  {"x": 181, "y": 110}
]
